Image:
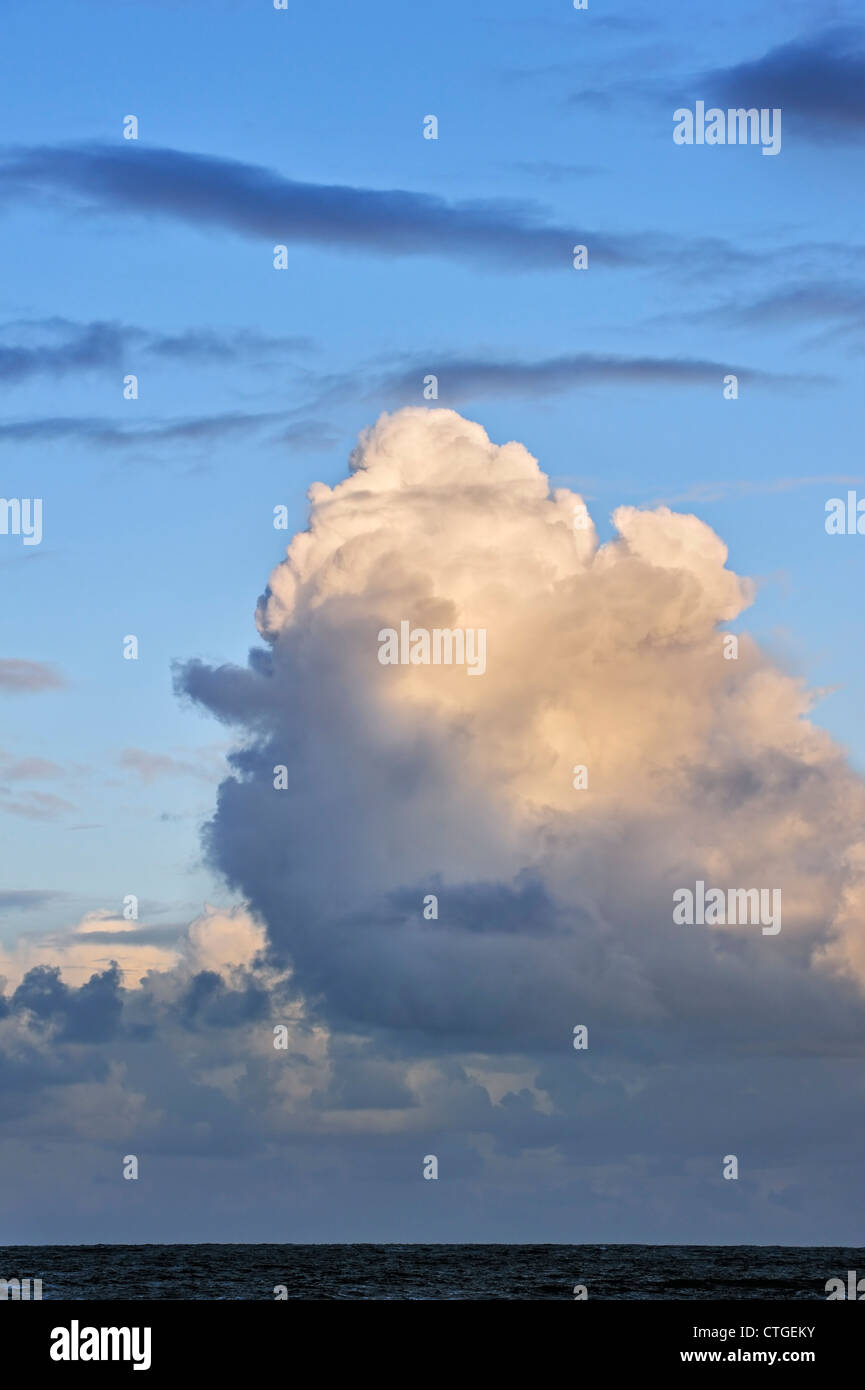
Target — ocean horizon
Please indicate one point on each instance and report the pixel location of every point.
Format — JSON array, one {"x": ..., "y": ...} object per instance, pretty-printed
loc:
[{"x": 273, "y": 1272}]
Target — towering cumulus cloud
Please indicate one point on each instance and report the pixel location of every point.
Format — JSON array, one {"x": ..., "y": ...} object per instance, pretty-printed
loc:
[{"x": 555, "y": 902}]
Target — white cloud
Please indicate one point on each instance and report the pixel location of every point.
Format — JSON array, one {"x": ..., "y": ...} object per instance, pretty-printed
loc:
[{"x": 407, "y": 777}]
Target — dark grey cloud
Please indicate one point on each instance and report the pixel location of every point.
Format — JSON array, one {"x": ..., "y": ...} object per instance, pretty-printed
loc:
[
  {"x": 82, "y": 347},
  {"x": 141, "y": 936},
  {"x": 465, "y": 377},
  {"x": 197, "y": 429},
  {"x": 468, "y": 378},
  {"x": 252, "y": 201},
  {"x": 90, "y": 1014},
  {"x": 209, "y": 1002},
  {"x": 366, "y": 1083},
  {"x": 487, "y": 907},
  {"x": 202, "y": 345},
  {"x": 57, "y": 347},
  {"x": 809, "y": 302},
  {"x": 200, "y": 429},
  {"x": 28, "y": 899},
  {"x": 100, "y": 1009},
  {"x": 21, "y": 676},
  {"x": 835, "y": 308},
  {"x": 819, "y": 79},
  {"x": 37, "y": 1061},
  {"x": 307, "y": 434}
]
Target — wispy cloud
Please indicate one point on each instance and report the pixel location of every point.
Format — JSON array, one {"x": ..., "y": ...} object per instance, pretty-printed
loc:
[
  {"x": 199, "y": 429},
  {"x": 819, "y": 79},
  {"x": 719, "y": 489},
  {"x": 837, "y": 306},
  {"x": 22, "y": 677},
  {"x": 58, "y": 346},
  {"x": 462, "y": 378},
  {"x": 80, "y": 348},
  {"x": 150, "y": 766},
  {"x": 28, "y": 899},
  {"x": 28, "y": 769},
  {"x": 34, "y": 805},
  {"x": 252, "y": 201}
]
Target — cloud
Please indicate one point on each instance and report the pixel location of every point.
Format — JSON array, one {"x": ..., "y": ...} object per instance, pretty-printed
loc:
[
  {"x": 408, "y": 1035},
  {"x": 748, "y": 487},
  {"x": 57, "y": 347},
  {"x": 169, "y": 1046},
  {"x": 28, "y": 769},
  {"x": 34, "y": 805},
  {"x": 416, "y": 779},
  {"x": 150, "y": 766},
  {"x": 84, "y": 346},
  {"x": 252, "y": 201},
  {"x": 89, "y": 1014},
  {"x": 837, "y": 307},
  {"x": 207, "y": 1000},
  {"x": 464, "y": 378},
  {"x": 27, "y": 899},
  {"x": 204, "y": 344},
  {"x": 817, "y": 80},
  {"x": 820, "y": 79},
  {"x": 806, "y": 302},
  {"x": 216, "y": 941},
  {"x": 28, "y": 676},
  {"x": 201, "y": 429}
]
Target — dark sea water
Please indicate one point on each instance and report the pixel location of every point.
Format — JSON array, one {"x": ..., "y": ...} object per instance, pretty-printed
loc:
[{"x": 415, "y": 1272}]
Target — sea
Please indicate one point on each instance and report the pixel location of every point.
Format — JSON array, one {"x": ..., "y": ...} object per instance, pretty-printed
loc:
[{"x": 419, "y": 1272}]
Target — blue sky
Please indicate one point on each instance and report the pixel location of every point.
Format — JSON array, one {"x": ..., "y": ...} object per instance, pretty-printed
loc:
[{"x": 549, "y": 118}]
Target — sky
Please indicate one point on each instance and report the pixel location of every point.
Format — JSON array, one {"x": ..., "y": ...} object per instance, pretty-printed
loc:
[{"x": 297, "y": 395}]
